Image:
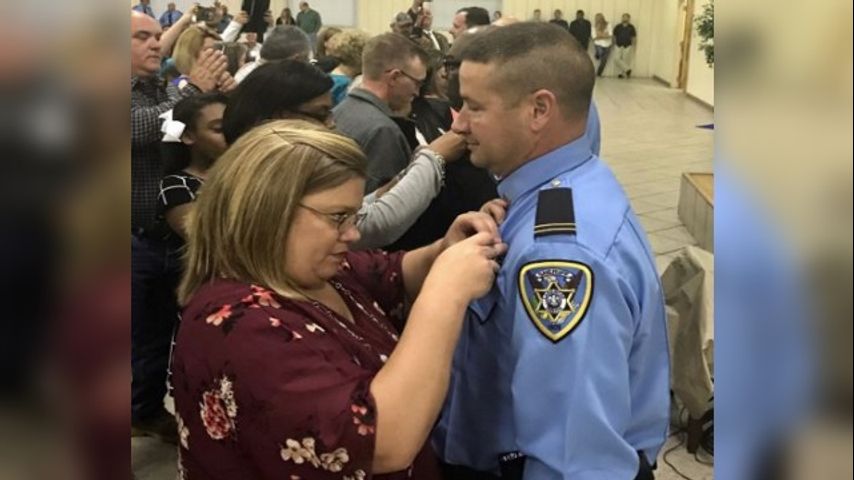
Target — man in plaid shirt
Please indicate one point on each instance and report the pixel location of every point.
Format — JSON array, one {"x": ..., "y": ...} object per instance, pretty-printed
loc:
[
  {"x": 149, "y": 99},
  {"x": 151, "y": 325}
]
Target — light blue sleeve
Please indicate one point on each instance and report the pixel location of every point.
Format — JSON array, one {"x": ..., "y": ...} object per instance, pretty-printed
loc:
[{"x": 571, "y": 397}]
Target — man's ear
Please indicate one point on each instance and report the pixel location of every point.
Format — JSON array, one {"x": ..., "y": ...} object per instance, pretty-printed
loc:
[{"x": 544, "y": 108}]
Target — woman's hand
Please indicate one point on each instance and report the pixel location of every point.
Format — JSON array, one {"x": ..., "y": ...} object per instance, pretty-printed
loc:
[
  {"x": 466, "y": 270},
  {"x": 469, "y": 224},
  {"x": 497, "y": 209}
]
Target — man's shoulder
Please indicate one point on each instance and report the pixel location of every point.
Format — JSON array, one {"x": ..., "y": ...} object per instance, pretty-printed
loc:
[
  {"x": 360, "y": 111},
  {"x": 589, "y": 203},
  {"x": 361, "y": 119}
]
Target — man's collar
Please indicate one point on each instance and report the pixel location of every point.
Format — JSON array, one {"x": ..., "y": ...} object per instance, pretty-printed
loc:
[
  {"x": 136, "y": 80},
  {"x": 374, "y": 100},
  {"x": 544, "y": 168}
]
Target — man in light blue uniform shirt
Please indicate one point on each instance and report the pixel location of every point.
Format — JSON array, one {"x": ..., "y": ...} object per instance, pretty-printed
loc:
[{"x": 562, "y": 369}]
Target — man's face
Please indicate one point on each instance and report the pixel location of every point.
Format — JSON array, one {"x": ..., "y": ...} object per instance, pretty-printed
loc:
[
  {"x": 426, "y": 20},
  {"x": 537, "y": 14},
  {"x": 144, "y": 45},
  {"x": 403, "y": 27},
  {"x": 626, "y": 18},
  {"x": 579, "y": 15},
  {"x": 459, "y": 24},
  {"x": 496, "y": 133},
  {"x": 303, "y": 6},
  {"x": 170, "y": 7},
  {"x": 406, "y": 84}
]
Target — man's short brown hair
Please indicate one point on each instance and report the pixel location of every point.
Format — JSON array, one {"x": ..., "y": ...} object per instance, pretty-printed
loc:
[
  {"x": 531, "y": 56},
  {"x": 387, "y": 51}
]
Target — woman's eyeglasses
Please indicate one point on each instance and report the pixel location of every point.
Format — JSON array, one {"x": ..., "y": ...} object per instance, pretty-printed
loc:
[{"x": 343, "y": 221}]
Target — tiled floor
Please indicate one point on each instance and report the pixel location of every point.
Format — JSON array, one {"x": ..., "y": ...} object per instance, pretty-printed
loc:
[{"x": 649, "y": 137}]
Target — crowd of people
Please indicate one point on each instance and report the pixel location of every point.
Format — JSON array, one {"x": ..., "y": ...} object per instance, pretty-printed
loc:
[{"x": 364, "y": 256}]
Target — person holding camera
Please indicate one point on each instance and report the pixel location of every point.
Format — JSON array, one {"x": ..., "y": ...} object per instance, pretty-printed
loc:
[{"x": 244, "y": 22}]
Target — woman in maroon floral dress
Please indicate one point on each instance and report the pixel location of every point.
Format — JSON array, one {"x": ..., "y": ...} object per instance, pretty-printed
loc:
[{"x": 290, "y": 362}]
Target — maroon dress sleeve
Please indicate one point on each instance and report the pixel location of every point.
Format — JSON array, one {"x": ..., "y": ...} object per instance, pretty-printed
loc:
[
  {"x": 381, "y": 274},
  {"x": 282, "y": 388}
]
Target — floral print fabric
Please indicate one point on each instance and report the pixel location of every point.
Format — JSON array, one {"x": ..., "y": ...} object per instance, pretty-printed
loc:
[{"x": 269, "y": 387}]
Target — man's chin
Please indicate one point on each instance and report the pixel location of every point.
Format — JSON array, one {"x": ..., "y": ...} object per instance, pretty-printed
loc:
[{"x": 476, "y": 157}]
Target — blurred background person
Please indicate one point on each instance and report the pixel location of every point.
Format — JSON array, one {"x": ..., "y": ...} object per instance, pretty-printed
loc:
[
  {"x": 558, "y": 20},
  {"x": 625, "y": 36},
  {"x": 309, "y": 21},
  {"x": 284, "y": 42},
  {"x": 424, "y": 24},
  {"x": 253, "y": 47},
  {"x": 144, "y": 6},
  {"x": 467, "y": 18},
  {"x": 601, "y": 42},
  {"x": 347, "y": 47},
  {"x": 322, "y": 58},
  {"x": 286, "y": 18},
  {"x": 225, "y": 20},
  {"x": 580, "y": 29},
  {"x": 402, "y": 24},
  {"x": 170, "y": 16},
  {"x": 236, "y": 53}
]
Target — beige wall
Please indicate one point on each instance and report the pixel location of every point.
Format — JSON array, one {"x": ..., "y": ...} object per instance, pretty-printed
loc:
[
  {"x": 665, "y": 41},
  {"x": 641, "y": 11},
  {"x": 374, "y": 16},
  {"x": 701, "y": 78}
]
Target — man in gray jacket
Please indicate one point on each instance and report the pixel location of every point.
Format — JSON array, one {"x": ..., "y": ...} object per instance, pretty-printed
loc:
[{"x": 394, "y": 68}]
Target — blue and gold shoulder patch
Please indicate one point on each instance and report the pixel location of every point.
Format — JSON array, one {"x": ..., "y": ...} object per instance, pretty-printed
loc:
[{"x": 556, "y": 295}]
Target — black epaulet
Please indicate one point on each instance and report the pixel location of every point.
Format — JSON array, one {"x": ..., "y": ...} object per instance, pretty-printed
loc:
[{"x": 555, "y": 213}]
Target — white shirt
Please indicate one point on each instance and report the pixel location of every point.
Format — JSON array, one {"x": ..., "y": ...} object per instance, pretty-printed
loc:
[
  {"x": 602, "y": 42},
  {"x": 429, "y": 34}
]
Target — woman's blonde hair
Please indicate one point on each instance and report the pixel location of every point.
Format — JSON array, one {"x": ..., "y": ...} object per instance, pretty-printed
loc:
[
  {"x": 347, "y": 47},
  {"x": 189, "y": 45},
  {"x": 239, "y": 225}
]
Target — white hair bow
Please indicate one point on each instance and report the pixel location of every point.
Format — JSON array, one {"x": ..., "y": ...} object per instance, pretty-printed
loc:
[{"x": 172, "y": 129}]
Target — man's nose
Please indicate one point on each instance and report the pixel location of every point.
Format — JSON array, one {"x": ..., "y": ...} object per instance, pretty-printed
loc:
[{"x": 461, "y": 123}]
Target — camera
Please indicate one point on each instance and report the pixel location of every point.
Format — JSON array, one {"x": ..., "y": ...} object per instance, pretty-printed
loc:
[{"x": 205, "y": 14}]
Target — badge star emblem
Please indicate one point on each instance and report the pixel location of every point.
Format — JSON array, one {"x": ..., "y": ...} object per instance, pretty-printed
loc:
[
  {"x": 554, "y": 302},
  {"x": 556, "y": 295}
]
